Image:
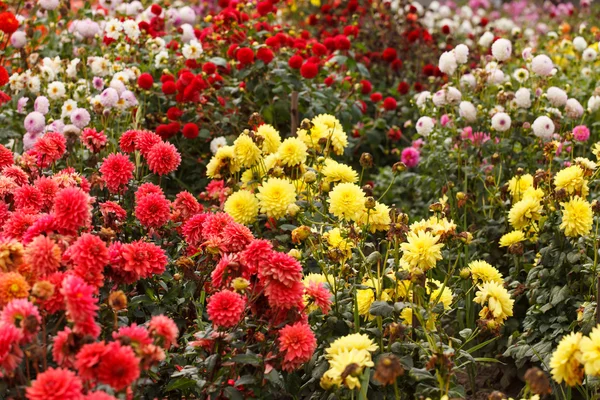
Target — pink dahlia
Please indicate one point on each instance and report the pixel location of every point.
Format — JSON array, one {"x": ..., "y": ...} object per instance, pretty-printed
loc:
[
  {"x": 48, "y": 188},
  {"x": 93, "y": 140},
  {"x": 145, "y": 140},
  {"x": 119, "y": 367},
  {"x": 28, "y": 199},
  {"x": 138, "y": 336},
  {"x": 61, "y": 349},
  {"x": 72, "y": 209},
  {"x": 581, "y": 133},
  {"x": 146, "y": 189},
  {"x": 163, "y": 158},
  {"x": 282, "y": 268},
  {"x": 24, "y": 315},
  {"x": 298, "y": 343},
  {"x": 6, "y": 157},
  {"x": 410, "y": 157},
  {"x": 282, "y": 296},
  {"x": 98, "y": 395},
  {"x": 50, "y": 148},
  {"x": 186, "y": 205},
  {"x": 17, "y": 224},
  {"x": 43, "y": 225},
  {"x": 192, "y": 230},
  {"x": 127, "y": 141},
  {"x": 164, "y": 329},
  {"x": 258, "y": 252},
  {"x": 117, "y": 171},
  {"x": 10, "y": 351},
  {"x": 225, "y": 308},
  {"x": 88, "y": 253},
  {"x": 55, "y": 384},
  {"x": 235, "y": 237},
  {"x": 17, "y": 174},
  {"x": 153, "y": 210},
  {"x": 88, "y": 359},
  {"x": 80, "y": 302},
  {"x": 143, "y": 258}
]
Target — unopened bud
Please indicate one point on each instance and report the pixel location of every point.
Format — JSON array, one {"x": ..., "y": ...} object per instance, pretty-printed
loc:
[
  {"x": 366, "y": 160},
  {"x": 240, "y": 284},
  {"x": 43, "y": 290},
  {"x": 297, "y": 254},
  {"x": 370, "y": 203},
  {"x": 117, "y": 300},
  {"x": 399, "y": 167},
  {"x": 310, "y": 177}
]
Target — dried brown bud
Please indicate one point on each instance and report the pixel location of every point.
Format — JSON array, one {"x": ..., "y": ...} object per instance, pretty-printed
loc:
[
  {"x": 300, "y": 234},
  {"x": 496, "y": 158},
  {"x": 368, "y": 189},
  {"x": 496, "y": 395},
  {"x": 596, "y": 206},
  {"x": 370, "y": 203},
  {"x": 117, "y": 300},
  {"x": 185, "y": 263},
  {"x": 436, "y": 207},
  {"x": 399, "y": 167},
  {"x": 366, "y": 160},
  {"x": 538, "y": 381},
  {"x": 388, "y": 369}
]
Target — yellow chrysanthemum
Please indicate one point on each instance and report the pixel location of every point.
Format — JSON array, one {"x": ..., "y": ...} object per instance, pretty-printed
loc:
[
  {"x": 337, "y": 241},
  {"x": 346, "y": 201},
  {"x": 577, "y": 217},
  {"x": 407, "y": 318},
  {"x": 596, "y": 150},
  {"x": 242, "y": 206},
  {"x": 572, "y": 180},
  {"x": 443, "y": 296},
  {"x": 590, "y": 352},
  {"x": 524, "y": 212},
  {"x": 347, "y": 368},
  {"x": 275, "y": 196},
  {"x": 292, "y": 152},
  {"x": 378, "y": 218},
  {"x": 271, "y": 137},
  {"x": 511, "y": 238},
  {"x": 495, "y": 300},
  {"x": 586, "y": 163},
  {"x": 421, "y": 250},
  {"x": 518, "y": 185},
  {"x": 338, "y": 172},
  {"x": 12, "y": 286},
  {"x": 357, "y": 341},
  {"x": 222, "y": 163},
  {"x": 330, "y": 127},
  {"x": 246, "y": 151},
  {"x": 482, "y": 272},
  {"x": 364, "y": 298},
  {"x": 565, "y": 363},
  {"x": 317, "y": 278},
  {"x": 534, "y": 193}
]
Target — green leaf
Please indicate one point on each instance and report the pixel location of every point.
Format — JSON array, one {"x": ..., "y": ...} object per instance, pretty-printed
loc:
[
  {"x": 233, "y": 393},
  {"x": 221, "y": 62},
  {"x": 381, "y": 308},
  {"x": 364, "y": 384},
  {"x": 420, "y": 375},
  {"x": 180, "y": 384},
  {"x": 250, "y": 359},
  {"x": 245, "y": 380}
]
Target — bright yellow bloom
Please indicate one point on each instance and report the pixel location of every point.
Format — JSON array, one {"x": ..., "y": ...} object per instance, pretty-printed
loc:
[
  {"x": 317, "y": 278},
  {"x": 590, "y": 352},
  {"x": 421, "y": 250},
  {"x": 499, "y": 304},
  {"x": 338, "y": 172},
  {"x": 407, "y": 319},
  {"x": 271, "y": 137},
  {"x": 347, "y": 368},
  {"x": 524, "y": 212},
  {"x": 596, "y": 150},
  {"x": 482, "y": 272},
  {"x": 518, "y": 184},
  {"x": 330, "y": 127},
  {"x": 566, "y": 360},
  {"x": 537, "y": 194},
  {"x": 572, "y": 180},
  {"x": 364, "y": 298},
  {"x": 443, "y": 296},
  {"x": 246, "y": 151},
  {"x": 378, "y": 218},
  {"x": 435, "y": 225},
  {"x": 346, "y": 201},
  {"x": 577, "y": 217},
  {"x": 292, "y": 152},
  {"x": 337, "y": 241},
  {"x": 356, "y": 341},
  {"x": 242, "y": 206},
  {"x": 275, "y": 196},
  {"x": 222, "y": 163},
  {"x": 511, "y": 238}
]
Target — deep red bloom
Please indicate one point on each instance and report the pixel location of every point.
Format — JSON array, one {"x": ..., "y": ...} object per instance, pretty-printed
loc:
[
  {"x": 169, "y": 87},
  {"x": 245, "y": 55},
  {"x": 153, "y": 210},
  {"x": 156, "y": 9},
  {"x": 55, "y": 384},
  {"x": 8, "y": 22},
  {"x": 376, "y": 97},
  {"x": 403, "y": 87},
  {"x": 145, "y": 80},
  {"x": 209, "y": 68},
  {"x": 390, "y": 104},
  {"x": 265, "y": 55},
  {"x": 309, "y": 70},
  {"x": 342, "y": 42},
  {"x": 190, "y": 130},
  {"x": 389, "y": 54},
  {"x": 264, "y": 7},
  {"x": 6, "y": 157},
  {"x": 225, "y": 308},
  {"x": 117, "y": 171},
  {"x": 295, "y": 61},
  {"x": 119, "y": 367},
  {"x": 319, "y": 49},
  {"x": 366, "y": 87},
  {"x": 3, "y": 76}
]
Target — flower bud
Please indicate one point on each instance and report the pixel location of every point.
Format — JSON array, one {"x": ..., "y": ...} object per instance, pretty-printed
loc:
[
  {"x": 117, "y": 300},
  {"x": 297, "y": 254},
  {"x": 310, "y": 177},
  {"x": 465, "y": 273},
  {"x": 240, "y": 284},
  {"x": 300, "y": 234},
  {"x": 366, "y": 160},
  {"x": 43, "y": 290},
  {"x": 398, "y": 167},
  {"x": 370, "y": 203}
]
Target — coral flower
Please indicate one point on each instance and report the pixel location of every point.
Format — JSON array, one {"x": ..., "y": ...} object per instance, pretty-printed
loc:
[
  {"x": 88, "y": 359},
  {"x": 145, "y": 140},
  {"x": 192, "y": 230},
  {"x": 282, "y": 268},
  {"x": 143, "y": 258},
  {"x": 164, "y": 329},
  {"x": 80, "y": 302},
  {"x": 88, "y": 253},
  {"x": 225, "y": 308},
  {"x": 153, "y": 210},
  {"x": 55, "y": 384},
  {"x": 298, "y": 344},
  {"x": 6, "y": 157},
  {"x": 50, "y": 148},
  {"x": 257, "y": 253},
  {"x": 10, "y": 351},
  {"x": 119, "y": 367},
  {"x": 117, "y": 171},
  {"x": 24, "y": 315},
  {"x": 163, "y": 158},
  {"x": 72, "y": 209},
  {"x": 28, "y": 198}
]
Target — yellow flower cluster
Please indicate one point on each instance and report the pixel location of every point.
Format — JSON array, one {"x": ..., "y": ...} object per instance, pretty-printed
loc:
[
  {"x": 495, "y": 300},
  {"x": 575, "y": 355},
  {"x": 421, "y": 251},
  {"x": 348, "y": 356},
  {"x": 325, "y": 133}
]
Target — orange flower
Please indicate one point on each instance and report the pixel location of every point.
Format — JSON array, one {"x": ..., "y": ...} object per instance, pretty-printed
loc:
[{"x": 12, "y": 286}]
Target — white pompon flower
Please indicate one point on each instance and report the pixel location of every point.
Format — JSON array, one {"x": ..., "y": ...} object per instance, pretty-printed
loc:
[
  {"x": 593, "y": 103},
  {"x": 543, "y": 127},
  {"x": 461, "y": 53},
  {"x": 468, "y": 81},
  {"x": 486, "y": 39},
  {"x": 589, "y": 55},
  {"x": 192, "y": 50},
  {"x": 447, "y": 63},
  {"x": 424, "y": 126},
  {"x": 502, "y": 49},
  {"x": 501, "y": 122},
  {"x": 557, "y": 97},
  {"x": 573, "y": 109},
  {"x": 542, "y": 65},
  {"x": 579, "y": 43},
  {"x": 523, "y": 98},
  {"x": 422, "y": 98},
  {"x": 467, "y": 111},
  {"x": 217, "y": 143}
]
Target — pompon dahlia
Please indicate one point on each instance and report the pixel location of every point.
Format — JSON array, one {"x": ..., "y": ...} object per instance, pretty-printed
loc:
[
  {"x": 80, "y": 302},
  {"x": 137, "y": 336},
  {"x": 280, "y": 267},
  {"x": 153, "y": 210},
  {"x": 225, "y": 308},
  {"x": 7, "y": 185},
  {"x": 17, "y": 174},
  {"x": 6, "y": 157},
  {"x": 143, "y": 258},
  {"x": 119, "y": 367},
  {"x": 98, "y": 395},
  {"x": 48, "y": 188},
  {"x": 146, "y": 189},
  {"x": 282, "y": 296},
  {"x": 22, "y": 314},
  {"x": 275, "y": 196},
  {"x": 93, "y": 140},
  {"x": 17, "y": 224},
  {"x": 10, "y": 351},
  {"x": 163, "y": 158},
  {"x": 12, "y": 286},
  {"x": 317, "y": 296},
  {"x": 72, "y": 209},
  {"x": 112, "y": 212},
  {"x": 89, "y": 254},
  {"x": 235, "y": 238},
  {"x": 43, "y": 225},
  {"x": 127, "y": 141},
  {"x": 298, "y": 343},
  {"x": 61, "y": 349},
  {"x": 50, "y": 148},
  {"x": 116, "y": 271},
  {"x": 242, "y": 206},
  {"x": 192, "y": 230},
  {"x": 117, "y": 171},
  {"x": 144, "y": 140},
  {"x": 55, "y": 384},
  {"x": 258, "y": 252},
  {"x": 28, "y": 198},
  {"x": 213, "y": 226},
  {"x": 226, "y": 270},
  {"x": 186, "y": 205},
  {"x": 164, "y": 329},
  {"x": 88, "y": 359}
]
